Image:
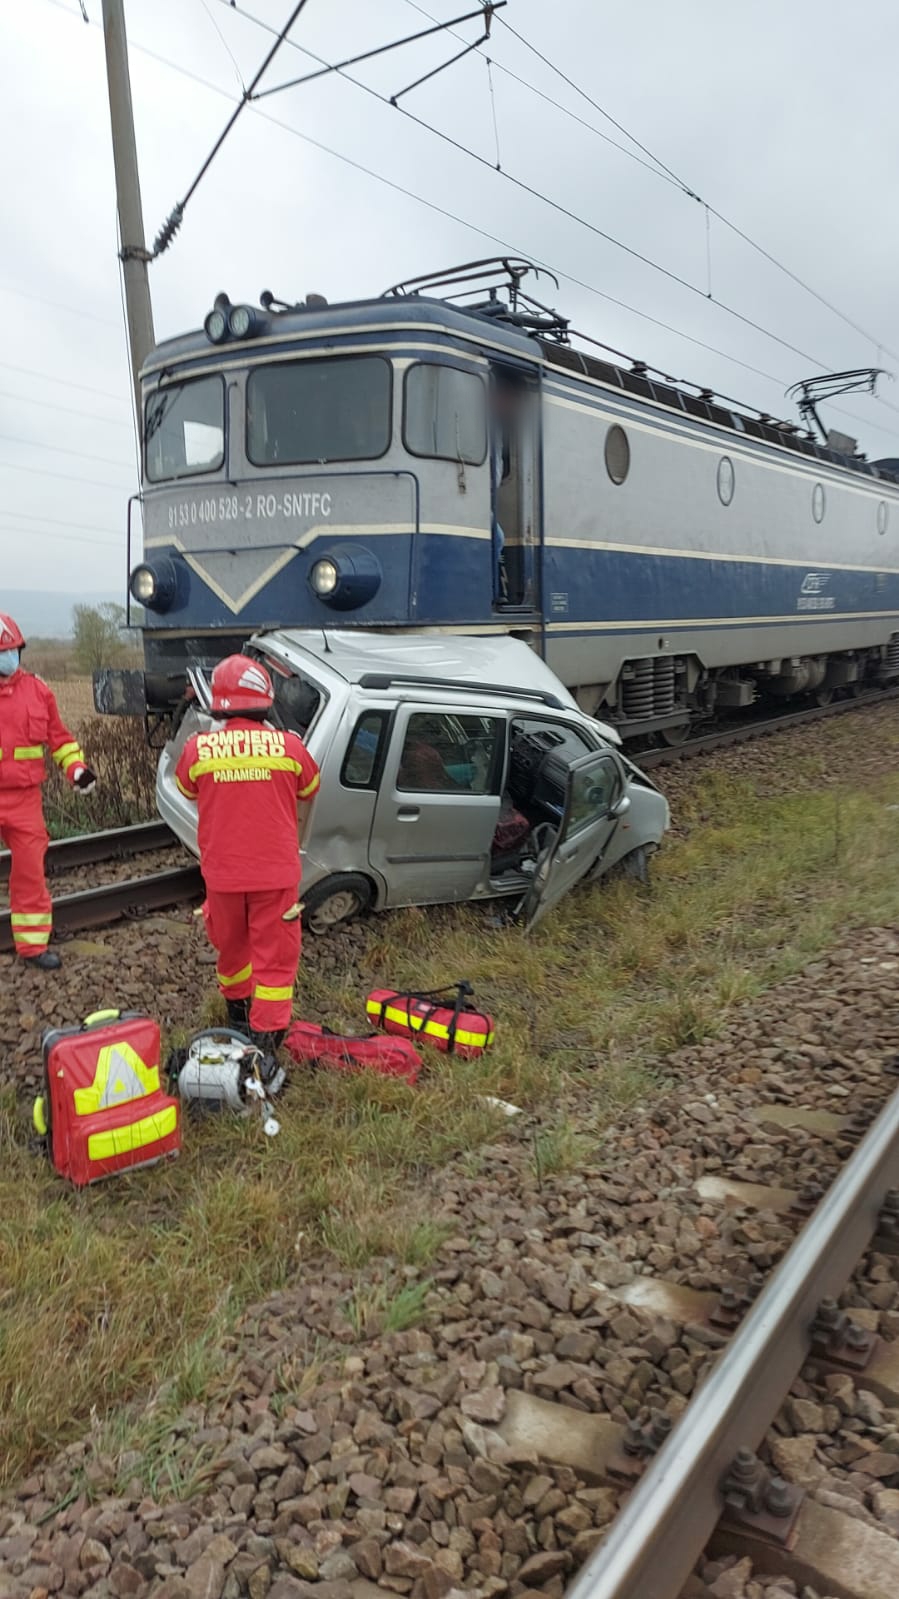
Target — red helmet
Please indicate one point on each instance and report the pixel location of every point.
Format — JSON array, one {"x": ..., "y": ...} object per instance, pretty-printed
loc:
[
  {"x": 239, "y": 684},
  {"x": 10, "y": 634}
]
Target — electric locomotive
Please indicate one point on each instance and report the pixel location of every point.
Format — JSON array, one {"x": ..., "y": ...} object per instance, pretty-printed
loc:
[{"x": 443, "y": 458}]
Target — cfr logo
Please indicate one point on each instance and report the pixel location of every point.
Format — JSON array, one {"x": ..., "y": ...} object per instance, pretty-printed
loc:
[{"x": 814, "y": 582}]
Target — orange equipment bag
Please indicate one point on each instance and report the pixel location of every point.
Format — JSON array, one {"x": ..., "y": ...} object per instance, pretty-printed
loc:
[
  {"x": 103, "y": 1109},
  {"x": 430, "y": 1016}
]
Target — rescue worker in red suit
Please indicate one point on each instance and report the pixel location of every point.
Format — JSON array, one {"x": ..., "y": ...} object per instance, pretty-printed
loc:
[
  {"x": 246, "y": 778},
  {"x": 29, "y": 720}
]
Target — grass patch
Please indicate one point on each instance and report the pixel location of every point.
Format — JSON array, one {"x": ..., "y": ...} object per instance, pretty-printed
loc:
[{"x": 105, "y": 1294}]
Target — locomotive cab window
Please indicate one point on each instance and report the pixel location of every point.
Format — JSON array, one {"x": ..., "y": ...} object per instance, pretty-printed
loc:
[
  {"x": 302, "y": 412},
  {"x": 445, "y": 413},
  {"x": 184, "y": 429}
]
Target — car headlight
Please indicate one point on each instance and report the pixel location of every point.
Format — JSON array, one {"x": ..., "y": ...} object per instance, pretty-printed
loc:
[{"x": 324, "y": 578}]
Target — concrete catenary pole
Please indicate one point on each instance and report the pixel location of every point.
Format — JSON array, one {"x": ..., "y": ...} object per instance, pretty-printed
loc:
[{"x": 139, "y": 310}]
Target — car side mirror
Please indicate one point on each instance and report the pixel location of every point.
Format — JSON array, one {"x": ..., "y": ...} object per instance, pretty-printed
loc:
[{"x": 621, "y": 806}]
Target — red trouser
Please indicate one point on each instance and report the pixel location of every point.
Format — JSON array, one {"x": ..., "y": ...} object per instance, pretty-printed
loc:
[
  {"x": 258, "y": 952},
  {"x": 24, "y": 834}
]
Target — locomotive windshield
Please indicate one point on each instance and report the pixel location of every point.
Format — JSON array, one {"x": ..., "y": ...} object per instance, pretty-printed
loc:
[
  {"x": 185, "y": 429},
  {"x": 301, "y": 412}
]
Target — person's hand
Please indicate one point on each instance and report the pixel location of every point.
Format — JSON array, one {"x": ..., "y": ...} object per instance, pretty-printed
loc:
[{"x": 85, "y": 781}]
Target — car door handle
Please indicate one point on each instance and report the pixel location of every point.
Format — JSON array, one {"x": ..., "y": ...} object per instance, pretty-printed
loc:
[{"x": 408, "y": 813}]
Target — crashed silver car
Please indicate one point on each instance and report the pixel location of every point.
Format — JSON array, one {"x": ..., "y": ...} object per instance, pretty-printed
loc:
[{"x": 453, "y": 768}]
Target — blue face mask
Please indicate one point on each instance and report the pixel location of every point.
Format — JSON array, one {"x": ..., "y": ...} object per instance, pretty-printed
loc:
[{"x": 9, "y": 662}]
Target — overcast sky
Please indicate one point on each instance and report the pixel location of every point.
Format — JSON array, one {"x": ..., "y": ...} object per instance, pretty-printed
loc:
[{"x": 784, "y": 119}]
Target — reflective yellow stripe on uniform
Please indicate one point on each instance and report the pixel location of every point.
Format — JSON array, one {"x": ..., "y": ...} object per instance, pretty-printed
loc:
[
  {"x": 31, "y": 938},
  {"x": 30, "y": 918},
  {"x": 310, "y": 787},
  {"x": 261, "y": 991},
  {"x": 242, "y": 976},
  {"x": 29, "y": 752},
  {"x": 423, "y": 1024},
  {"x": 67, "y": 753},
  {"x": 120, "y": 1140},
  {"x": 187, "y": 792},
  {"x": 241, "y": 763}
]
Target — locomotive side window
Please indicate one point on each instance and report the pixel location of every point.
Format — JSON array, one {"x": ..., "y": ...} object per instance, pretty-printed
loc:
[
  {"x": 300, "y": 412},
  {"x": 445, "y": 413},
  {"x": 618, "y": 453},
  {"x": 184, "y": 429}
]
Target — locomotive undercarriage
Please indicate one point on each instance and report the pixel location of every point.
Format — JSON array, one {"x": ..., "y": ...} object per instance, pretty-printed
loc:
[{"x": 666, "y": 696}]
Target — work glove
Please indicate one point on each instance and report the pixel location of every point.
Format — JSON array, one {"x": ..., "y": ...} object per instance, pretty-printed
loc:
[{"x": 85, "y": 781}]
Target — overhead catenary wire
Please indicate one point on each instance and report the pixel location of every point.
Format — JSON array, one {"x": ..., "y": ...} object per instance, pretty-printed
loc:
[
  {"x": 64, "y": 477},
  {"x": 62, "y": 449},
  {"x": 464, "y": 222},
  {"x": 74, "y": 543},
  {"x": 58, "y": 521},
  {"x": 530, "y": 189}
]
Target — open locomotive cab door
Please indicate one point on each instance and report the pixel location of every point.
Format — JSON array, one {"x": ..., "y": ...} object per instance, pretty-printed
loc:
[
  {"x": 595, "y": 801},
  {"x": 515, "y": 486}
]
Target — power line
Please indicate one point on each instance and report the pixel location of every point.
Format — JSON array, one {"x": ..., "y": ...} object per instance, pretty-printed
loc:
[
  {"x": 451, "y": 216},
  {"x": 62, "y": 449},
  {"x": 75, "y": 544},
  {"x": 664, "y": 170},
  {"x": 58, "y": 521},
  {"x": 555, "y": 205},
  {"x": 66, "y": 477},
  {"x": 70, "y": 410},
  {"x": 47, "y": 377},
  {"x": 58, "y": 305}
]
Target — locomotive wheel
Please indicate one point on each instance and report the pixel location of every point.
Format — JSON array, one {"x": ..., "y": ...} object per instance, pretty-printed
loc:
[
  {"x": 823, "y": 696},
  {"x": 335, "y": 901},
  {"x": 673, "y": 736}
]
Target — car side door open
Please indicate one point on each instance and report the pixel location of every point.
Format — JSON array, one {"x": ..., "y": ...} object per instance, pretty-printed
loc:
[
  {"x": 438, "y": 803},
  {"x": 595, "y": 799}
]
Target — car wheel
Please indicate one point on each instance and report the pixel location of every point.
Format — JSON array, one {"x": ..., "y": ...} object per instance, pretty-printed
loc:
[
  {"x": 634, "y": 865},
  {"x": 335, "y": 901}
]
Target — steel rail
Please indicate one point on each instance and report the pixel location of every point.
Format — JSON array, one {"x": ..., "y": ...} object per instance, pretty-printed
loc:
[
  {"x": 85, "y": 849},
  {"x": 662, "y": 1530},
  {"x": 97, "y": 907},
  {"x": 708, "y": 742}
]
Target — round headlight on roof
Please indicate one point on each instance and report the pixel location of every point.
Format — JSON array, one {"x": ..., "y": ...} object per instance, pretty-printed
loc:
[
  {"x": 241, "y": 321},
  {"x": 216, "y": 326},
  {"x": 324, "y": 577}
]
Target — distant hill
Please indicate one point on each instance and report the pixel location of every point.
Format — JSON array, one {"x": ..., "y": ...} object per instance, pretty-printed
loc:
[{"x": 41, "y": 615}]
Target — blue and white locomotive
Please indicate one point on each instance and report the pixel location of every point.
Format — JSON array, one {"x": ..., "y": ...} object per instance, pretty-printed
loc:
[{"x": 419, "y": 462}]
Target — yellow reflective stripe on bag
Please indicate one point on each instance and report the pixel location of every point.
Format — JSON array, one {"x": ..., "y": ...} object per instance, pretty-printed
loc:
[
  {"x": 417, "y": 1023},
  {"x": 121, "y": 1140}
]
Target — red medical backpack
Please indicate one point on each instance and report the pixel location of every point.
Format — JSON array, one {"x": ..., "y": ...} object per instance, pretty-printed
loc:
[
  {"x": 103, "y": 1109},
  {"x": 392, "y": 1057},
  {"x": 448, "y": 1024}
]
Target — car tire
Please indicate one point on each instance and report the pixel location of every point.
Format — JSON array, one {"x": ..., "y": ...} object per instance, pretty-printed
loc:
[
  {"x": 634, "y": 865},
  {"x": 334, "y": 901}
]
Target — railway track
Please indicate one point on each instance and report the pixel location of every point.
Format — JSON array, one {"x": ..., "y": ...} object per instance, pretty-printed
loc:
[
  {"x": 133, "y": 897},
  {"x": 705, "y": 1481},
  {"x": 110, "y": 902},
  {"x": 744, "y": 733}
]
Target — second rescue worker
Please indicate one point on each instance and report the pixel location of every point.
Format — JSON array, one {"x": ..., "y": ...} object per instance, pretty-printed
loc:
[{"x": 246, "y": 778}]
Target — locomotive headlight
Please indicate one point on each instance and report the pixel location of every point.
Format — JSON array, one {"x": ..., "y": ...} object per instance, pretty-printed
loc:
[
  {"x": 324, "y": 578},
  {"x": 241, "y": 322},
  {"x": 346, "y": 578},
  {"x": 216, "y": 326},
  {"x": 144, "y": 585},
  {"x": 154, "y": 584}
]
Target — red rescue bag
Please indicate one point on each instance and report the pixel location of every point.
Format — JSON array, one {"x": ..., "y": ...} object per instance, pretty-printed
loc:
[
  {"x": 431, "y": 1017},
  {"x": 393, "y": 1057},
  {"x": 103, "y": 1109}
]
